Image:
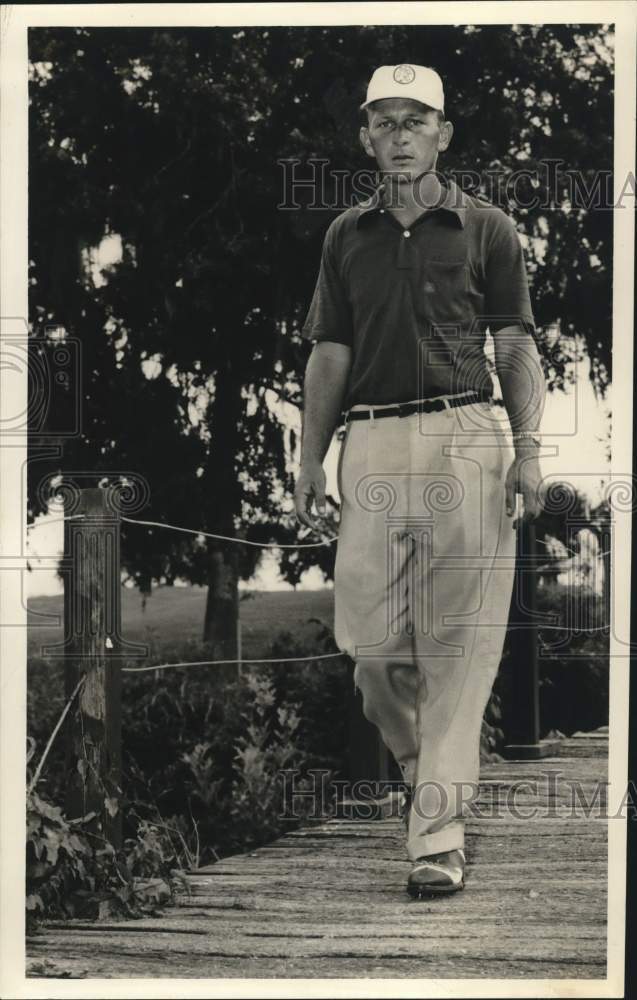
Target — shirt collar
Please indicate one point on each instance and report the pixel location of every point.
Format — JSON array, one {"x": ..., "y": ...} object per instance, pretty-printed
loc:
[{"x": 455, "y": 201}]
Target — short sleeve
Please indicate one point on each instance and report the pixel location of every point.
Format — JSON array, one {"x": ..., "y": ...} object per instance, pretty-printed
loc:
[
  {"x": 507, "y": 299},
  {"x": 330, "y": 315}
]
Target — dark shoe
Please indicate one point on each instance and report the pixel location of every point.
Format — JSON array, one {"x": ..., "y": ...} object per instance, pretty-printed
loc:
[{"x": 437, "y": 874}]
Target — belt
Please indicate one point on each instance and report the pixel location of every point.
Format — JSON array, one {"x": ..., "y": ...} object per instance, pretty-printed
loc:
[{"x": 417, "y": 406}]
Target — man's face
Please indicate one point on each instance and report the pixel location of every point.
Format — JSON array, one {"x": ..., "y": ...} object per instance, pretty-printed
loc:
[{"x": 405, "y": 137}]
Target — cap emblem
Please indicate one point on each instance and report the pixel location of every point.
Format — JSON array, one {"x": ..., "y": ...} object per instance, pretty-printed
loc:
[{"x": 404, "y": 74}]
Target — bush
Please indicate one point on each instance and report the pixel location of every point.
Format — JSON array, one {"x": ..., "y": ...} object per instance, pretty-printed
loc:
[
  {"x": 208, "y": 745},
  {"x": 68, "y": 866},
  {"x": 321, "y": 688}
]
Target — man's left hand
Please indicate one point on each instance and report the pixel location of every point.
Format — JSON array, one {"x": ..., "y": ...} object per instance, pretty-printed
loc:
[{"x": 524, "y": 477}]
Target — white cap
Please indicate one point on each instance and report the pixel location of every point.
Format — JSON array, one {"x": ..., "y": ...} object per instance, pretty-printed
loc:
[{"x": 418, "y": 83}]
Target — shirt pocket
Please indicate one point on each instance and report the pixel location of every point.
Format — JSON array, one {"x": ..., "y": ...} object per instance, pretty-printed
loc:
[{"x": 445, "y": 291}]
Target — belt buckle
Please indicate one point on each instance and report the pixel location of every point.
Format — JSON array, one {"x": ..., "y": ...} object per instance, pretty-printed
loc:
[
  {"x": 430, "y": 406},
  {"x": 404, "y": 409}
]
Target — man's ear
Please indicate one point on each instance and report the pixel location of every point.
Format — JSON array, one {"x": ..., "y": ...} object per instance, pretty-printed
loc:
[
  {"x": 446, "y": 132},
  {"x": 363, "y": 135}
]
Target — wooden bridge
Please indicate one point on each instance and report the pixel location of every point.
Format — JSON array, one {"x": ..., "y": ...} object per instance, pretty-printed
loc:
[{"x": 328, "y": 900}]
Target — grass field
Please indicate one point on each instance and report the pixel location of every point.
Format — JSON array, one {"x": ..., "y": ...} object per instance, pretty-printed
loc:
[{"x": 176, "y": 614}]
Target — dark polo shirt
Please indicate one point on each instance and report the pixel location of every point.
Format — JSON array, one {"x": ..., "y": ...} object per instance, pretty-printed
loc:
[{"x": 414, "y": 304}]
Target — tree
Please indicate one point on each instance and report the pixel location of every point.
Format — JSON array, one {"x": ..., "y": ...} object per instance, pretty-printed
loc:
[{"x": 170, "y": 140}]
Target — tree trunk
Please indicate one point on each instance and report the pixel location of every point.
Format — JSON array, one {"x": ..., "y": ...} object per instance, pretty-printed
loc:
[{"x": 222, "y": 604}]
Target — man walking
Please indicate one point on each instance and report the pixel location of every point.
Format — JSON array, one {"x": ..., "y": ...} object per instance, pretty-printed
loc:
[{"x": 408, "y": 285}]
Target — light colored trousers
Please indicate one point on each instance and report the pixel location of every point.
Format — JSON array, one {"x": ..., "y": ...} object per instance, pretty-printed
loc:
[{"x": 423, "y": 581}]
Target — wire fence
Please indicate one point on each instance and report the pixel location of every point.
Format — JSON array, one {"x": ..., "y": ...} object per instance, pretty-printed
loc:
[
  {"x": 45, "y": 753},
  {"x": 244, "y": 660},
  {"x": 554, "y": 550},
  {"x": 199, "y": 532}
]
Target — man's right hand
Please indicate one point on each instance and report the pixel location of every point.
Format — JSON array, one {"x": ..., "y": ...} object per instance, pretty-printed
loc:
[{"x": 310, "y": 486}]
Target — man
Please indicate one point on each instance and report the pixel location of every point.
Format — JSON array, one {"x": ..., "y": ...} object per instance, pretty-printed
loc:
[{"x": 409, "y": 282}]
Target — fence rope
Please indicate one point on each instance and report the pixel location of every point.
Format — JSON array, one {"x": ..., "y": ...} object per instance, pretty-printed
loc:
[
  {"x": 198, "y": 531},
  {"x": 65, "y": 710},
  {"x": 56, "y": 520},
  {"x": 326, "y": 656},
  {"x": 214, "y": 663},
  {"x": 229, "y": 538},
  {"x": 260, "y": 545}
]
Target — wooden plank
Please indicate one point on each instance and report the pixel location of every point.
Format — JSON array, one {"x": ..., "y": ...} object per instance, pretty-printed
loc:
[
  {"x": 397, "y": 967},
  {"x": 479, "y": 850},
  {"x": 229, "y": 923},
  {"x": 591, "y": 828},
  {"x": 518, "y": 903},
  {"x": 423, "y": 946},
  {"x": 281, "y": 863},
  {"x": 392, "y": 909}
]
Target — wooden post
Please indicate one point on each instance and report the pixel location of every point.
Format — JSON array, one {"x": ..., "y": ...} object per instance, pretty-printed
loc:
[
  {"x": 522, "y": 714},
  {"x": 606, "y": 582},
  {"x": 92, "y": 614},
  {"x": 369, "y": 762},
  {"x": 368, "y": 755},
  {"x": 239, "y": 644}
]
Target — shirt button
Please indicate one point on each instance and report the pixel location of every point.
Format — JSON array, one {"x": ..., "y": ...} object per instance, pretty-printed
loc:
[
  {"x": 382, "y": 211},
  {"x": 406, "y": 233}
]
